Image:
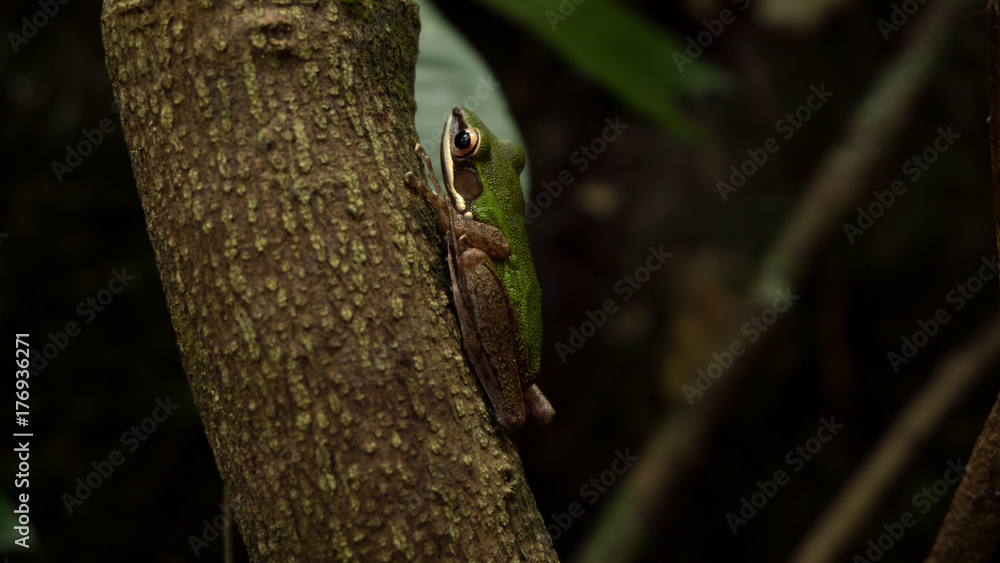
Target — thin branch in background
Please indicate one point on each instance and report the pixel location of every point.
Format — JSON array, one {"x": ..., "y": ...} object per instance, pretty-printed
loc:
[
  {"x": 841, "y": 177},
  {"x": 797, "y": 16},
  {"x": 950, "y": 382},
  {"x": 971, "y": 527},
  {"x": 674, "y": 448}
]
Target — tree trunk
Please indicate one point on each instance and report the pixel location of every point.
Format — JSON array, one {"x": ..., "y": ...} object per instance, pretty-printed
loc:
[{"x": 305, "y": 284}]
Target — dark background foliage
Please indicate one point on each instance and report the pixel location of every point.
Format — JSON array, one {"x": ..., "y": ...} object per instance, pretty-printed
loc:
[{"x": 825, "y": 358}]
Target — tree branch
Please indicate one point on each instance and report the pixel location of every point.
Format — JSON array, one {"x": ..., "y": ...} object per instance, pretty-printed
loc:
[
  {"x": 269, "y": 143},
  {"x": 839, "y": 180},
  {"x": 972, "y": 525},
  {"x": 953, "y": 378}
]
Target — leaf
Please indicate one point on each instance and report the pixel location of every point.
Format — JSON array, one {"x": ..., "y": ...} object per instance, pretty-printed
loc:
[
  {"x": 615, "y": 47},
  {"x": 450, "y": 72}
]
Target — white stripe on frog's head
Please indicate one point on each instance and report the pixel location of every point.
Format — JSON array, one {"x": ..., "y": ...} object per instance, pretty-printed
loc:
[{"x": 455, "y": 124}]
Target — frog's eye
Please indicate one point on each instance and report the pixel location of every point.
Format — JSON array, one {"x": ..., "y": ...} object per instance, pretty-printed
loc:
[{"x": 466, "y": 143}]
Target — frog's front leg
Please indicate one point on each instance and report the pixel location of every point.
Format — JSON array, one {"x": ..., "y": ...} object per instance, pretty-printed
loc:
[
  {"x": 470, "y": 233},
  {"x": 490, "y": 335}
]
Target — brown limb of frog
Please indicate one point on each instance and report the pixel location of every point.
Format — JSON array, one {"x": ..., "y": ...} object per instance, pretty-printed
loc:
[{"x": 485, "y": 315}]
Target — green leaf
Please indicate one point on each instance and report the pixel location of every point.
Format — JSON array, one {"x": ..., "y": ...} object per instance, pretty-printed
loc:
[
  {"x": 450, "y": 72},
  {"x": 614, "y": 46}
]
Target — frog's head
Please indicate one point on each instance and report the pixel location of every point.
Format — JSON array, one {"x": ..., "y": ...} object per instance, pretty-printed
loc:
[{"x": 479, "y": 166}]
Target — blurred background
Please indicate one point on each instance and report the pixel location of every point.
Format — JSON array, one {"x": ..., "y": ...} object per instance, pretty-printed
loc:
[{"x": 649, "y": 122}]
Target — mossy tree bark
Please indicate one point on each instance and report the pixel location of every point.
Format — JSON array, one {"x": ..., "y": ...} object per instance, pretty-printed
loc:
[{"x": 304, "y": 281}]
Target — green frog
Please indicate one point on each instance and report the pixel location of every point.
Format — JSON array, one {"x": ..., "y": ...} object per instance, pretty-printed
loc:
[{"x": 496, "y": 291}]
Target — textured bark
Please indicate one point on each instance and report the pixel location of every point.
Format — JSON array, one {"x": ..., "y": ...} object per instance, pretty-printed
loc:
[
  {"x": 269, "y": 141},
  {"x": 972, "y": 525}
]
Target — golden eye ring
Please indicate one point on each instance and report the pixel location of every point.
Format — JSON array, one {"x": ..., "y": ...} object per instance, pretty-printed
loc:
[{"x": 466, "y": 143}]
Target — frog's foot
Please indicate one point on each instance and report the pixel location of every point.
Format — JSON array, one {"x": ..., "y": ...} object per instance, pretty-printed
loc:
[
  {"x": 538, "y": 409},
  {"x": 419, "y": 150},
  {"x": 438, "y": 199}
]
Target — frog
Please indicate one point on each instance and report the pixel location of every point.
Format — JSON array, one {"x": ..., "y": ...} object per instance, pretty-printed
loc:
[{"x": 496, "y": 292}]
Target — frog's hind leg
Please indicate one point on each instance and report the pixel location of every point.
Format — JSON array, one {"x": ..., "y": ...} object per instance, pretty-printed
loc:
[{"x": 489, "y": 333}]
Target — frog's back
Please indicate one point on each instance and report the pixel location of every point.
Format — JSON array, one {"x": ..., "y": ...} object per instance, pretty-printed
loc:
[
  {"x": 518, "y": 272},
  {"x": 501, "y": 205}
]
